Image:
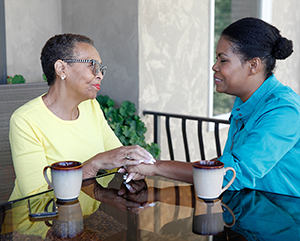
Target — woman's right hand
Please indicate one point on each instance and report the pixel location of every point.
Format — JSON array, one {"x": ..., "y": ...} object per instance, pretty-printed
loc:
[{"x": 119, "y": 157}]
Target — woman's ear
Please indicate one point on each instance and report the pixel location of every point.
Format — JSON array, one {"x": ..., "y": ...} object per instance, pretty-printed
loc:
[
  {"x": 255, "y": 65},
  {"x": 60, "y": 69}
]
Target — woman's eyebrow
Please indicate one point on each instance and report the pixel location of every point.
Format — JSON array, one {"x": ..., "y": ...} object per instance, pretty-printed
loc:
[{"x": 220, "y": 55}]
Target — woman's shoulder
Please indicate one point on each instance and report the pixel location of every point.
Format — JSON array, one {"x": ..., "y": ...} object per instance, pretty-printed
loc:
[
  {"x": 90, "y": 107},
  {"x": 90, "y": 103},
  {"x": 277, "y": 93},
  {"x": 29, "y": 107},
  {"x": 284, "y": 95},
  {"x": 30, "y": 112}
]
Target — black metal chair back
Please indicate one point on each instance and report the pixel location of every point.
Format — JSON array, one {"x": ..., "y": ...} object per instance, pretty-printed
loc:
[{"x": 200, "y": 120}]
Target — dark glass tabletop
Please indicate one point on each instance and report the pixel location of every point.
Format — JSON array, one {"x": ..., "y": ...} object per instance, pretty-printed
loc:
[{"x": 152, "y": 209}]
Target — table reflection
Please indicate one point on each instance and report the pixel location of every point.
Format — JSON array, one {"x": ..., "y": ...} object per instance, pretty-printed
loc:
[
  {"x": 155, "y": 208},
  {"x": 208, "y": 217},
  {"x": 69, "y": 221},
  {"x": 264, "y": 216}
]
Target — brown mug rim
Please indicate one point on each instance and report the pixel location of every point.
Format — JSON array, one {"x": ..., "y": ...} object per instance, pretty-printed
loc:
[
  {"x": 214, "y": 164},
  {"x": 78, "y": 166}
]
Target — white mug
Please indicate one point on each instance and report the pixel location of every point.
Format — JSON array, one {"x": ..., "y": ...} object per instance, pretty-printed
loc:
[
  {"x": 208, "y": 178},
  {"x": 66, "y": 179}
]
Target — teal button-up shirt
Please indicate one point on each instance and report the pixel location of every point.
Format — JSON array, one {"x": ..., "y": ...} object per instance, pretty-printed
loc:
[{"x": 263, "y": 144}]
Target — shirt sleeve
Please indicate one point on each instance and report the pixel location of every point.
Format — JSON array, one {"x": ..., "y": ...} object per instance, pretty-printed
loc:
[
  {"x": 28, "y": 156},
  {"x": 262, "y": 144}
]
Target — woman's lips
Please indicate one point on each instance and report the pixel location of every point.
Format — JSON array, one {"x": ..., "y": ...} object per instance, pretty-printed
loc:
[
  {"x": 97, "y": 86},
  {"x": 217, "y": 80}
]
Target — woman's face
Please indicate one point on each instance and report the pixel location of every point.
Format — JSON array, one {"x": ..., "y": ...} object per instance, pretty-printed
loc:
[
  {"x": 231, "y": 76},
  {"x": 81, "y": 80}
]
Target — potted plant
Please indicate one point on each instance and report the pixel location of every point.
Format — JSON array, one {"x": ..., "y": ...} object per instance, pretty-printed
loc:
[
  {"x": 127, "y": 126},
  {"x": 17, "y": 79}
]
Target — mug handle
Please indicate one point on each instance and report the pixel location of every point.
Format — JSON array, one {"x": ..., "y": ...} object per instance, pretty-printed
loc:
[
  {"x": 232, "y": 214},
  {"x": 46, "y": 176},
  {"x": 231, "y": 181}
]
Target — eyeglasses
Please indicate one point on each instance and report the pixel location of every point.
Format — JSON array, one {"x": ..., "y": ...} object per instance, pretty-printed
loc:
[{"x": 97, "y": 67}]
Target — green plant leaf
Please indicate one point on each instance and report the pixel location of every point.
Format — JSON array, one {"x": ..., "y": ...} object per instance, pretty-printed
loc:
[
  {"x": 44, "y": 77},
  {"x": 112, "y": 116},
  {"x": 128, "y": 131},
  {"x": 9, "y": 80},
  {"x": 105, "y": 101},
  {"x": 17, "y": 79},
  {"x": 118, "y": 130},
  {"x": 128, "y": 127},
  {"x": 127, "y": 109},
  {"x": 110, "y": 103},
  {"x": 153, "y": 148},
  {"x": 140, "y": 128}
]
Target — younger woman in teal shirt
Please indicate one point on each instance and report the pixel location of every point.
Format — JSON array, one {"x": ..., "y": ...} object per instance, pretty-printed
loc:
[{"x": 263, "y": 144}]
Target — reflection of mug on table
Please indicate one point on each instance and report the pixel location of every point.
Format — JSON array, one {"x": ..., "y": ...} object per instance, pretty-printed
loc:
[
  {"x": 69, "y": 223},
  {"x": 208, "y": 217},
  {"x": 66, "y": 179},
  {"x": 208, "y": 178}
]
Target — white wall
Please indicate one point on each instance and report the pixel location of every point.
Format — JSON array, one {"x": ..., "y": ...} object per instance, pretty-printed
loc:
[
  {"x": 173, "y": 61},
  {"x": 286, "y": 17},
  {"x": 29, "y": 23}
]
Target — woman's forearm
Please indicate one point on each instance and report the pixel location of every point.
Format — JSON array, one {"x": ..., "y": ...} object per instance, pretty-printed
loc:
[{"x": 177, "y": 170}]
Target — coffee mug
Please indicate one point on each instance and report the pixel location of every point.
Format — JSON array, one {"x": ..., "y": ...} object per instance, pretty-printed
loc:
[
  {"x": 208, "y": 217},
  {"x": 69, "y": 223},
  {"x": 66, "y": 179},
  {"x": 208, "y": 178}
]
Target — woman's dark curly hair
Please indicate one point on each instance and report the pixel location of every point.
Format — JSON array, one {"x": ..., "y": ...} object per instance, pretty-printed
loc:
[
  {"x": 252, "y": 37},
  {"x": 60, "y": 46}
]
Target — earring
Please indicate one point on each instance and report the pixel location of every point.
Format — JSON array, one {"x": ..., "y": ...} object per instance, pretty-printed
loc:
[{"x": 63, "y": 77}]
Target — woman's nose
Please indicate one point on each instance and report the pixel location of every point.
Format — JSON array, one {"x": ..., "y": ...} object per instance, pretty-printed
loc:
[
  {"x": 99, "y": 76},
  {"x": 215, "y": 67}
]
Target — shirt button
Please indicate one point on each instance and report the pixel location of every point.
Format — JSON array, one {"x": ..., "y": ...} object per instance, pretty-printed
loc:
[
  {"x": 240, "y": 114},
  {"x": 237, "y": 109}
]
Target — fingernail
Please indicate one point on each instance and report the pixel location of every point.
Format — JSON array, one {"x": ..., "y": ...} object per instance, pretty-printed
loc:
[
  {"x": 151, "y": 204},
  {"x": 129, "y": 187},
  {"x": 128, "y": 179},
  {"x": 141, "y": 161},
  {"x": 152, "y": 161}
]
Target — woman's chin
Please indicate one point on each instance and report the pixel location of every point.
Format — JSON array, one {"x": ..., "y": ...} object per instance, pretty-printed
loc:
[{"x": 219, "y": 90}]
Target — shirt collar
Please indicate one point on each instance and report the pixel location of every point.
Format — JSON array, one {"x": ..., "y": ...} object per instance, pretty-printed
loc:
[{"x": 243, "y": 110}]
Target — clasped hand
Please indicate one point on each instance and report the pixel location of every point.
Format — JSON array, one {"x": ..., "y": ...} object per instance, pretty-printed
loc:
[
  {"x": 132, "y": 197},
  {"x": 120, "y": 157}
]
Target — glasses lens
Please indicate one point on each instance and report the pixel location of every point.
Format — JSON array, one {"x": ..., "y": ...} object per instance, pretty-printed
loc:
[
  {"x": 103, "y": 70},
  {"x": 98, "y": 68}
]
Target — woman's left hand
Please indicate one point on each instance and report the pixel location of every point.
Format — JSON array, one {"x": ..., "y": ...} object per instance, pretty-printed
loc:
[{"x": 119, "y": 157}]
